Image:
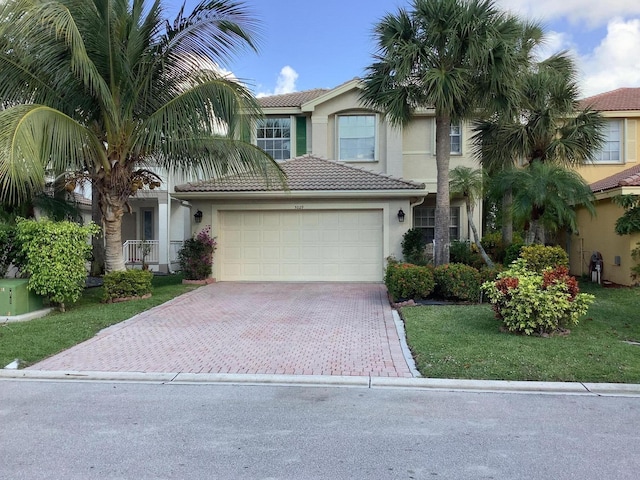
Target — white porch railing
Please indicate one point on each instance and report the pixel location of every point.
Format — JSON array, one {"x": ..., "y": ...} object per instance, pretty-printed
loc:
[
  {"x": 141, "y": 251},
  {"x": 148, "y": 251}
]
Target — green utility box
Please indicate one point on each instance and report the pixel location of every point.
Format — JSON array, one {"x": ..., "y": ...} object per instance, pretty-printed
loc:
[{"x": 16, "y": 299}]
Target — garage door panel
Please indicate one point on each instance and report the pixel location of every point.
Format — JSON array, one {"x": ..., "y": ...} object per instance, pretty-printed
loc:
[
  {"x": 271, "y": 236},
  {"x": 301, "y": 245}
]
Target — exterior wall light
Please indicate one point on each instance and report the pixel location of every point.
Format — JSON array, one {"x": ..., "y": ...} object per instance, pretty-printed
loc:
[
  {"x": 400, "y": 216},
  {"x": 197, "y": 216}
]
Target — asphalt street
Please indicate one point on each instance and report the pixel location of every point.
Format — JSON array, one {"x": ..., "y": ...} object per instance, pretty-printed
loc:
[{"x": 117, "y": 430}]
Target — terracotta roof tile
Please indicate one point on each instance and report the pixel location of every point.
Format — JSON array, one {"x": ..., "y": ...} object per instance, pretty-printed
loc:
[
  {"x": 627, "y": 178},
  {"x": 615, "y": 100},
  {"x": 307, "y": 173},
  {"x": 295, "y": 99}
]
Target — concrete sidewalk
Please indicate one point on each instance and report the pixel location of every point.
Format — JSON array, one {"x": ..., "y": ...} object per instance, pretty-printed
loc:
[{"x": 316, "y": 329}]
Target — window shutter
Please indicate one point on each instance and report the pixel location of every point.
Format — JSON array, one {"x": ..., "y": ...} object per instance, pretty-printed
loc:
[
  {"x": 631, "y": 144},
  {"x": 301, "y": 136}
]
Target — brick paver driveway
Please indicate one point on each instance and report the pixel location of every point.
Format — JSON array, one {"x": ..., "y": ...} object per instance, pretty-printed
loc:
[{"x": 255, "y": 328}]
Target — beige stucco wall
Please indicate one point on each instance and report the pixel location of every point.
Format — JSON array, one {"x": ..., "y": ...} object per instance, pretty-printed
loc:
[{"x": 598, "y": 234}]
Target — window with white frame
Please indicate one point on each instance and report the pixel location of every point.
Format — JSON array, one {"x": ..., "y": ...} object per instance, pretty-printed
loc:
[
  {"x": 455, "y": 136},
  {"x": 424, "y": 219},
  {"x": 611, "y": 151},
  {"x": 356, "y": 137},
  {"x": 274, "y": 137}
]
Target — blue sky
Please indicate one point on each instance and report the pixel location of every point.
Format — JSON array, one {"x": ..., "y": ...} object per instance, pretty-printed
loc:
[{"x": 309, "y": 44}]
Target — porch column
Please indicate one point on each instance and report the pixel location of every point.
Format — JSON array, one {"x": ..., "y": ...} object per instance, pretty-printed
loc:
[{"x": 163, "y": 234}]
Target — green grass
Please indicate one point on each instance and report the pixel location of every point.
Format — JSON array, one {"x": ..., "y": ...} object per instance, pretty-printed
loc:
[
  {"x": 37, "y": 339},
  {"x": 466, "y": 342}
]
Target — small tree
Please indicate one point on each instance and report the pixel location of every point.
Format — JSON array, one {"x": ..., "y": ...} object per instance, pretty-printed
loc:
[
  {"x": 468, "y": 182},
  {"x": 54, "y": 255},
  {"x": 196, "y": 256}
]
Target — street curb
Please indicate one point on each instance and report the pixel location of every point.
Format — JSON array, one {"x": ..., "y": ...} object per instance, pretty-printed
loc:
[
  {"x": 408, "y": 357},
  {"x": 434, "y": 384}
]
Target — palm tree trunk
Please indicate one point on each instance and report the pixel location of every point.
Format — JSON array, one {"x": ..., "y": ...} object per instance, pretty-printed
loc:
[
  {"x": 443, "y": 213},
  {"x": 97, "y": 241},
  {"x": 476, "y": 237},
  {"x": 112, "y": 212},
  {"x": 507, "y": 218},
  {"x": 536, "y": 233}
]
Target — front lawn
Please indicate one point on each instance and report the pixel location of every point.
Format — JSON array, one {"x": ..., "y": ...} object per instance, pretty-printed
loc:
[
  {"x": 37, "y": 339},
  {"x": 466, "y": 342}
]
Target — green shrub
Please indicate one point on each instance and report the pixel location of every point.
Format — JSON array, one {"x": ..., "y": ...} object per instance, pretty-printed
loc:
[
  {"x": 494, "y": 246},
  {"x": 457, "y": 281},
  {"x": 196, "y": 255},
  {"x": 460, "y": 252},
  {"x": 8, "y": 248},
  {"x": 540, "y": 257},
  {"x": 499, "y": 250},
  {"x": 527, "y": 301},
  {"x": 404, "y": 280},
  {"x": 54, "y": 255},
  {"x": 512, "y": 253},
  {"x": 413, "y": 247},
  {"x": 125, "y": 284}
]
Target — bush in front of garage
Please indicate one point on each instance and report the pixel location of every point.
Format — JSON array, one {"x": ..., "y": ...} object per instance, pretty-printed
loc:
[
  {"x": 405, "y": 280},
  {"x": 196, "y": 256}
]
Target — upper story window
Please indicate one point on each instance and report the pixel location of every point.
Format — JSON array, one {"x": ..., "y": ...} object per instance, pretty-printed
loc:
[
  {"x": 455, "y": 135},
  {"x": 274, "y": 137},
  {"x": 357, "y": 137},
  {"x": 424, "y": 219},
  {"x": 611, "y": 151},
  {"x": 455, "y": 138}
]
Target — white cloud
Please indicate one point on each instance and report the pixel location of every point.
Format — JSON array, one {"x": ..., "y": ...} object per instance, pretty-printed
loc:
[
  {"x": 286, "y": 82},
  {"x": 594, "y": 12},
  {"x": 615, "y": 62}
]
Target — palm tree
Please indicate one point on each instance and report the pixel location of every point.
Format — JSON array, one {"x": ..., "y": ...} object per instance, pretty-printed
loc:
[
  {"x": 455, "y": 56},
  {"x": 545, "y": 125},
  {"x": 468, "y": 182},
  {"x": 109, "y": 89},
  {"x": 544, "y": 196}
]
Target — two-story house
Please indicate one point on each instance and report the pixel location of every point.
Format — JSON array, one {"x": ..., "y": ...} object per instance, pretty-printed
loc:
[
  {"x": 614, "y": 171},
  {"x": 355, "y": 185}
]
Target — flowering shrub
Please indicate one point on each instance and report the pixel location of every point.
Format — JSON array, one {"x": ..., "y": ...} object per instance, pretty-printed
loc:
[
  {"x": 457, "y": 281},
  {"x": 404, "y": 280},
  {"x": 540, "y": 257},
  {"x": 196, "y": 255},
  {"x": 527, "y": 301}
]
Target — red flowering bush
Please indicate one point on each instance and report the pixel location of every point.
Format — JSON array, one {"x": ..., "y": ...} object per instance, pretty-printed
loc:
[
  {"x": 529, "y": 302},
  {"x": 196, "y": 255}
]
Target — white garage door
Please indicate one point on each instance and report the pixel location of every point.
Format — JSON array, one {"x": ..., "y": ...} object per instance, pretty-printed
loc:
[{"x": 301, "y": 245}]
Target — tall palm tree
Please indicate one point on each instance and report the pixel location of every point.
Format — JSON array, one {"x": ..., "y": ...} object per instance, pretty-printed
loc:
[
  {"x": 469, "y": 183},
  {"x": 456, "y": 56},
  {"x": 546, "y": 125},
  {"x": 109, "y": 89},
  {"x": 544, "y": 194}
]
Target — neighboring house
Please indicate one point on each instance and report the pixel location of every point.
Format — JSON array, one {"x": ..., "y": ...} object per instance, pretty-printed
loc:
[
  {"x": 355, "y": 186},
  {"x": 614, "y": 171}
]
